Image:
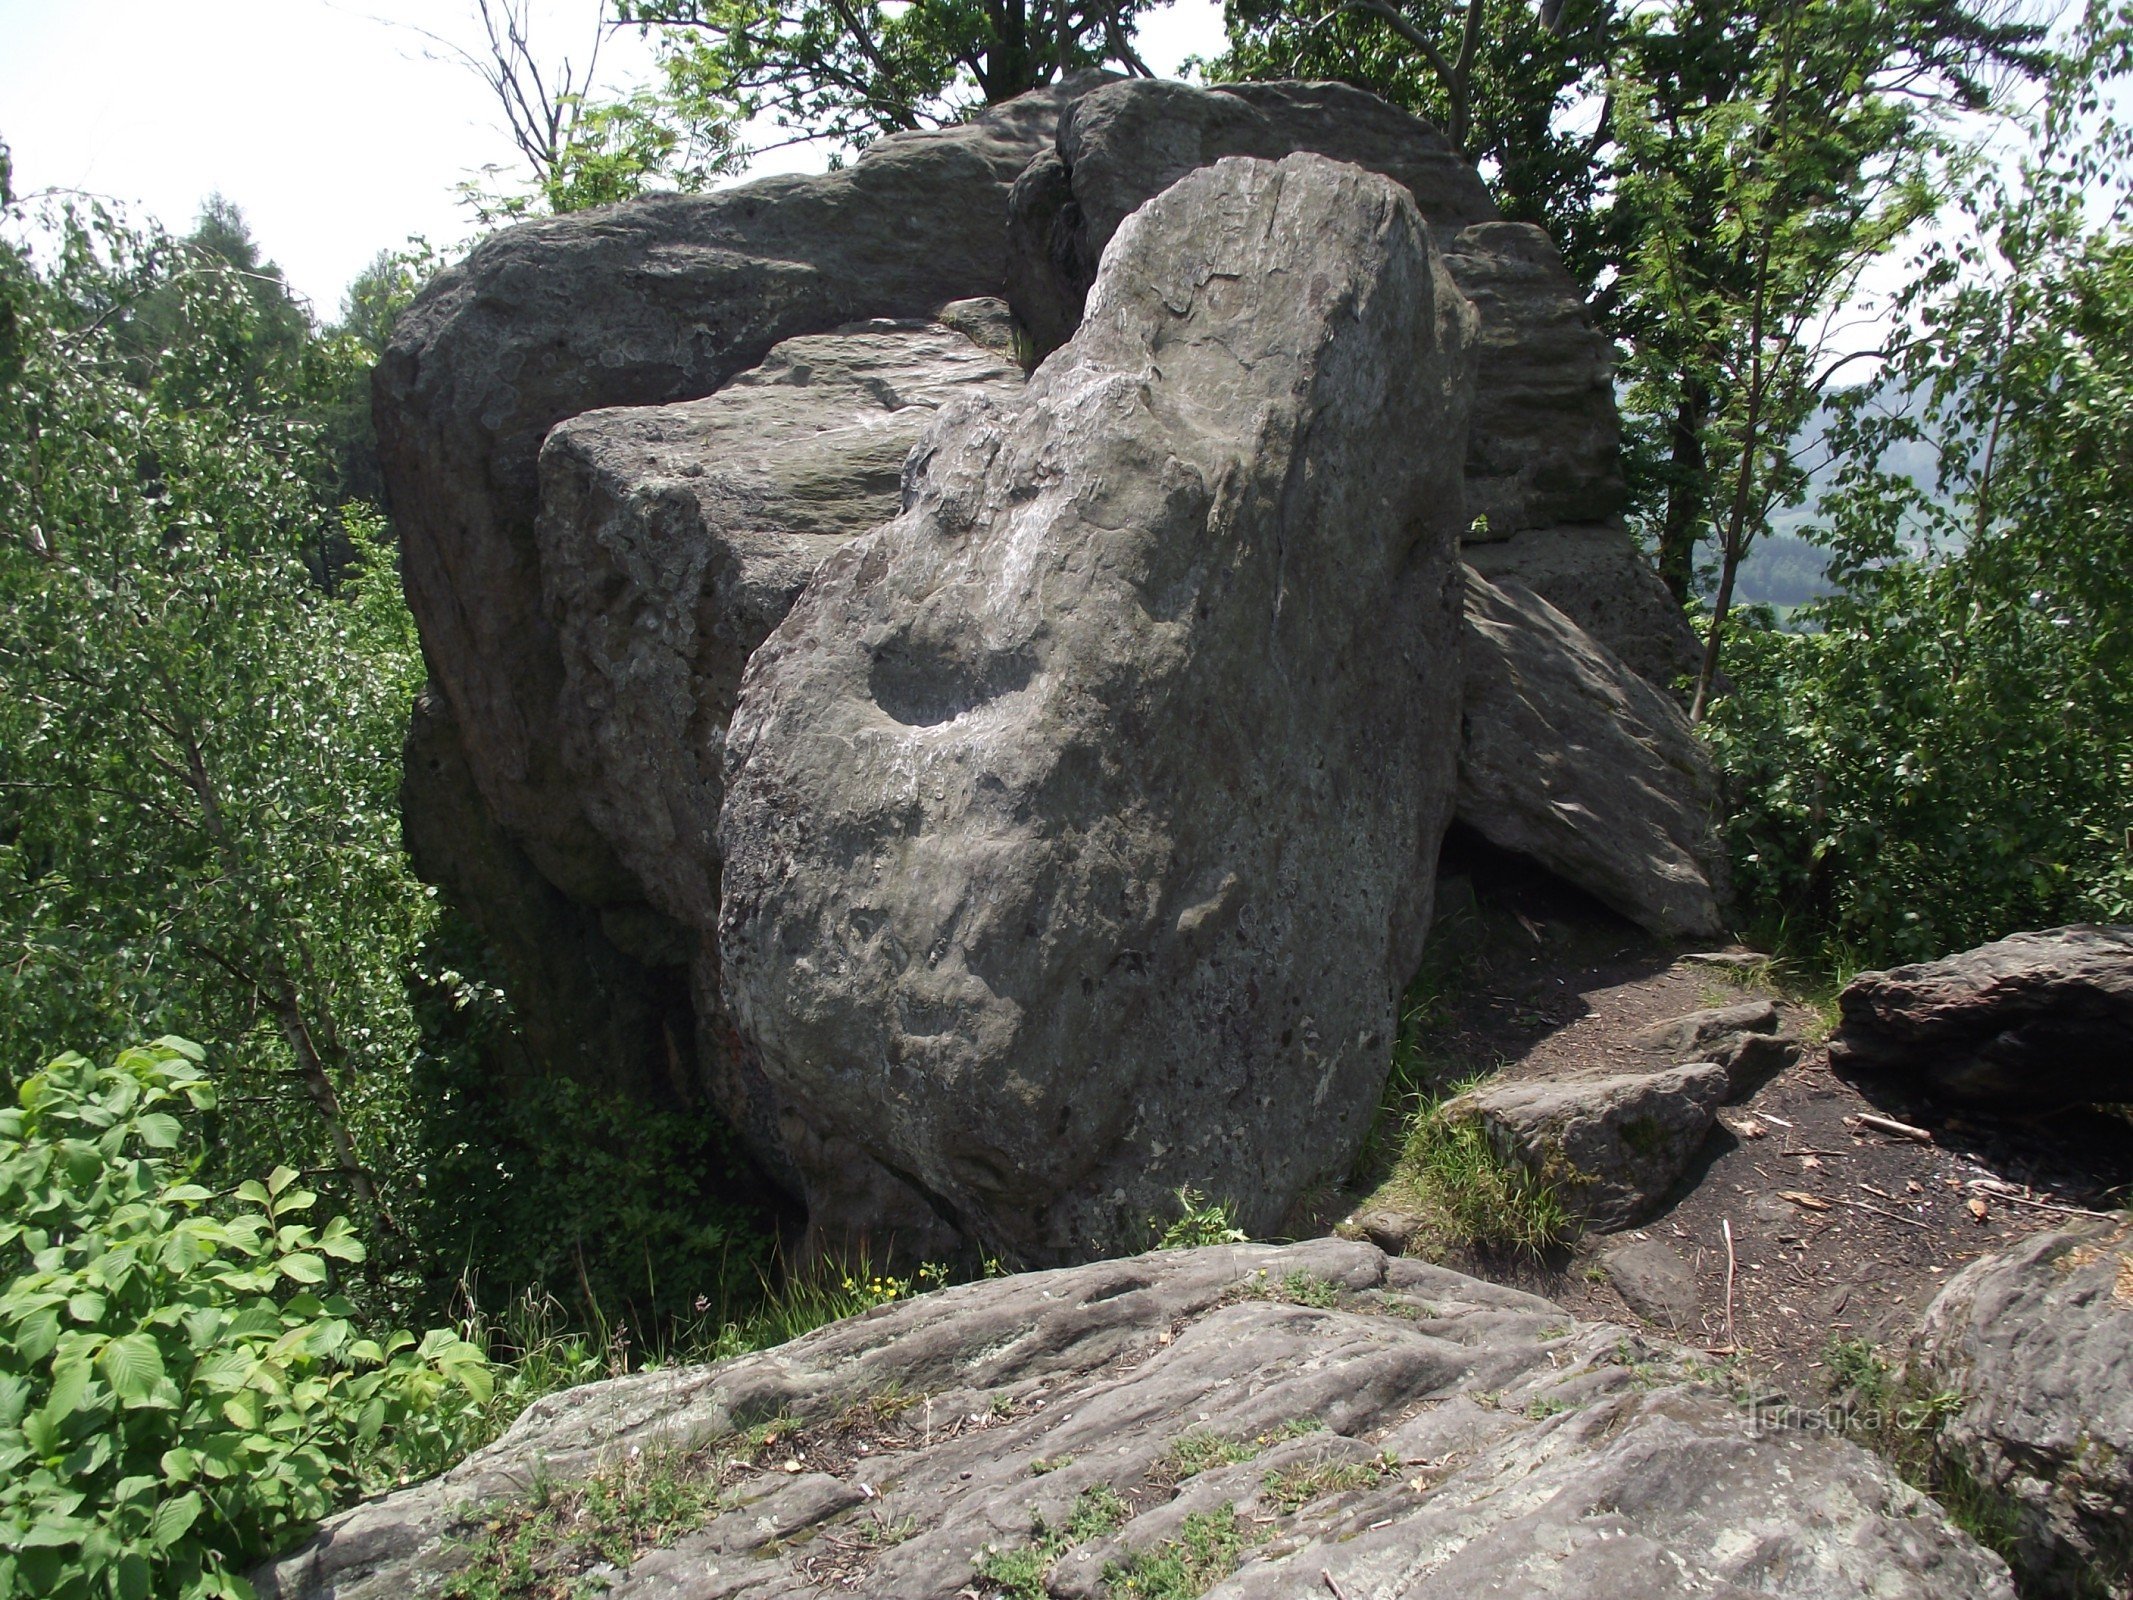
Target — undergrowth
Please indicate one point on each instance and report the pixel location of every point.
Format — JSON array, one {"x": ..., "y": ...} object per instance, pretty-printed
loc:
[
  {"x": 1901, "y": 1421},
  {"x": 1467, "y": 1195},
  {"x": 1020, "y": 1573},
  {"x": 1206, "y": 1550},
  {"x": 542, "y": 1548}
]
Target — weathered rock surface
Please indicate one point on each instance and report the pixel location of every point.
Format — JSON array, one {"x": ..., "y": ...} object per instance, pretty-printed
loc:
[
  {"x": 1569, "y": 758},
  {"x": 1544, "y": 443},
  {"x": 2032, "y": 1022},
  {"x": 1685, "y": 1037},
  {"x": 1614, "y": 1145},
  {"x": 1744, "y": 1039},
  {"x": 1078, "y": 823},
  {"x": 1596, "y": 576},
  {"x": 1654, "y": 1282},
  {"x": 661, "y": 300},
  {"x": 1467, "y": 1439},
  {"x": 674, "y": 538},
  {"x": 2038, "y": 1343}
]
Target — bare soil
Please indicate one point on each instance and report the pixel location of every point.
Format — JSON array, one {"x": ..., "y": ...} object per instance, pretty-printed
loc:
[{"x": 1838, "y": 1230}]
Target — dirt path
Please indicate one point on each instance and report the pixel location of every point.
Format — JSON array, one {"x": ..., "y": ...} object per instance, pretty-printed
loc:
[{"x": 1839, "y": 1230}]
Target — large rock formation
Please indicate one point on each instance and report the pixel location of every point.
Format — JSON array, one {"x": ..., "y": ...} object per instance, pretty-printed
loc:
[
  {"x": 621, "y": 444},
  {"x": 2035, "y": 1344},
  {"x": 1319, "y": 1420},
  {"x": 1078, "y": 823},
  {"x": 1570, "y": 759},
  {"x": 2032, "y": 1022}
]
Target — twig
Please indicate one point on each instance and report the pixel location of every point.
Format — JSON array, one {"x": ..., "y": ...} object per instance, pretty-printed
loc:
[
  {"x": 2000, "y": 1191},
  {"x": 1893, "y": 1216},
  {"x": 1889, "y": 1125},
  {"x": 1338, "y": 1592},
  {"x": 1727, "y": 1224}
]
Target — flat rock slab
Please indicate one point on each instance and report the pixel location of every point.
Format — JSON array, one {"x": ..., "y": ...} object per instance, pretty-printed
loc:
[
  {"x": 2032, "y": 1022},
  {"x": 1395, "y": 1427},
  {"x": 1654, "y": 1282},
  {"x": 1078, "y": 823},
  {"x": 2037, "y": 1342},
  {"x": 1572, "y": 760},
  {"x": 1614, "y": 1145}
]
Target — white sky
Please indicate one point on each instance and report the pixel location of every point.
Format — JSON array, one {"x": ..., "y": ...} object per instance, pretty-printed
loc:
[{"x": 335, "y": 125}]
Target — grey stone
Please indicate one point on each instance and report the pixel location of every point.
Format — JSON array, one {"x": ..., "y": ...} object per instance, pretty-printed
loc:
[
  {"x": 1743, "y": 1038},
  {"x": 674, "y": 538},
  {"x": 1614, "y": 1145},
  {"x": 1078, "y": 828},
  {"x": 1595, "y": 575},
  {"x": 1535, "y": 1453},
  {"x": 2037, "y": 1344},
  {"x": 1751, "y": 1060},
  {"x": 2035, "y": 1021},
  {"x": 1387, "y": 1227},
  {"x": 1685, "y": 1036},
  {"x": 1571, "y": 759},
  {"x": 659, "y": 300},
  {"x": 1654, "y": 1282},
  {"x": 1544, "y": 445}
]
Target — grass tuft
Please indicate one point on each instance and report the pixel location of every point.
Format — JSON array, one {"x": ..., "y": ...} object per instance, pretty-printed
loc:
[{"x": 1207, "y": 1549}]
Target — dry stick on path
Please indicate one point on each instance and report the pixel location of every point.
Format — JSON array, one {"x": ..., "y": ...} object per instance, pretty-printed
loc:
[
  {"x": 1726, "y": 1223},
  {"x": 1889, "y": 1125}
]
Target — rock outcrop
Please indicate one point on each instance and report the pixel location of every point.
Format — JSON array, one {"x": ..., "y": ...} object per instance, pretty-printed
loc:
[
  {"x": 1599, "y": 579},
  {"x": 1570, "y": 759},
  {"x": 2033, "y": 1022},
  {"x": 1317, "y": 1419},
  {"x": 2036, "y": 1344},
  {"x": 1078, "y": 823},
  {"x": 1612, "y": 1145},
  {"x": 662, "y": 300}
]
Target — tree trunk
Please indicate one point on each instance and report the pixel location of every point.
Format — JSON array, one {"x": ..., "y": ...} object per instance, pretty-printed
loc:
[{"x": 1688, "y": 492}]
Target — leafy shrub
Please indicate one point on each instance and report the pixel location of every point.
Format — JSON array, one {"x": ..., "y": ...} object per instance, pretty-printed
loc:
[
  {"x": 1200, "y": 1221},
  {"x": 180, "y": 1387}
]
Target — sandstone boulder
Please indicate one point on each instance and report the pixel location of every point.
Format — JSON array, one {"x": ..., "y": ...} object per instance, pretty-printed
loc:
[
  {"x": 2035, "y": 1022},
  {"x": 2036, "y": 1343},
  {"x": 1595, "y": 575},
  {"x": 1544, "y": 443},
  {"x": 1612, "y": 1145},
  {"x": 1744, "y": 1039},
  {"x": 1570, "y": 759},
  {"x": 1079, "y": 823},
  {"x": 663, "y": 299},
  {"x": 674, "y": 538},
  {"x": 1330, "y": 1422}
]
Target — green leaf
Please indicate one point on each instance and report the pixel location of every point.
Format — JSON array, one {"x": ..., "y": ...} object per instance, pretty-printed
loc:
[
  {"x": 174, "y": 1519},
  {"x": 133, "y": 1365},
  {"x": 303, "y": 1268}
]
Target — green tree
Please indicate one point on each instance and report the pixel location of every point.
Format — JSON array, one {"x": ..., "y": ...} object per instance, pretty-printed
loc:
[
  {"x": 1765, "y": 156},
  {"x": 1947, "y": 756},
  {"x": 849, "y": 72},
  {"x": 198, "y": 773},
  {"x": 1514, "y": 84},
  {"x": 579, "y": 150}
]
